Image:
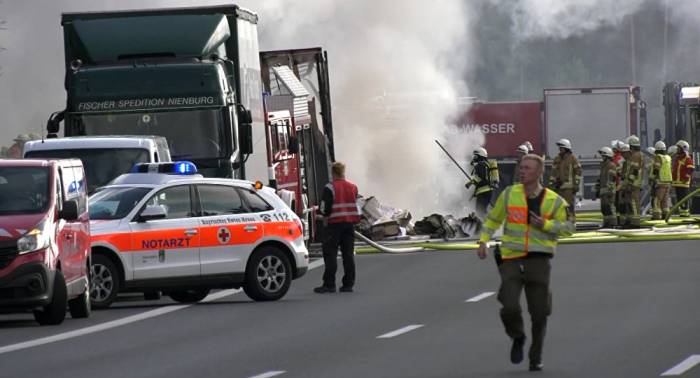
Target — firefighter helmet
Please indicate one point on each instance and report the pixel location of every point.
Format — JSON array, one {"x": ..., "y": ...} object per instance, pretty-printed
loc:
[
  {"x": 606, "y": 151},
  {"x": 683, "y": 144},
  {"x": 624, "y": 147},
  {"x": 660, "y": 146},
  {"x": 615, "y": 144},
  {"x": 529, "y": 146},
  {"x": 651, "y": 150},
  {"x": 633, "y": 141},
  {"x": 523, "y": 149},
  {"x": 480, "y": 151},
  {"x": 673, "y": 150},
  {"x": 564, "y": 143}
]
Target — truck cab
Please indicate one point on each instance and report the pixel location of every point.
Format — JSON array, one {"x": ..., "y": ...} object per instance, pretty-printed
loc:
[
  {"x": 44, "y": 239},
  {"x": 191, "y": 75},
  {"x": 104, "y": 158}
]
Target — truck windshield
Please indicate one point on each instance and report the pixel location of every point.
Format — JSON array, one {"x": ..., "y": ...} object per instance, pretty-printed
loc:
[
  {"x": 102, "y": 165},
  {"x": 191, "y": 134},
  {"x": 115, "y": 203},
  {"x": 24, "y": 190}
]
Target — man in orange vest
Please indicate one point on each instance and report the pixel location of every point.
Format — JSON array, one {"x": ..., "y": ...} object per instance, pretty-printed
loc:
[
  {"x": 682, "y": 175},
  {"x": 340, "y": 212}
]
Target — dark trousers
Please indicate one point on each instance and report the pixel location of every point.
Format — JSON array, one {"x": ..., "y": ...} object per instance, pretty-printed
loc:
[
  {"x": 339, "y": 235},
  {"x": 482, "y": 203},
  {"x": 533, "y": 275},
  {"x": 684, "y": 209}
]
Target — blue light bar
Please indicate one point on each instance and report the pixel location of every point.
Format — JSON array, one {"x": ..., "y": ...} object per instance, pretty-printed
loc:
[{"x": 173, "y": 168}]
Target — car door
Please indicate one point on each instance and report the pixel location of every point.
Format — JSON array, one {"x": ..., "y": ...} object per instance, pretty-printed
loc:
[
  {"x": 167, "y": 248},
  {"x": 68, "y": 230},
  {"x": 229, "y": 232}
]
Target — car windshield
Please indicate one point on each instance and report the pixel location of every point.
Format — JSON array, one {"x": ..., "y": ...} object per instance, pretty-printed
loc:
[
  {"x": 115, "y": 203},
  {"x": 102, "y": 165},
  {"x": 191, "y": 134},
  {"x": 24, "y": 190}
]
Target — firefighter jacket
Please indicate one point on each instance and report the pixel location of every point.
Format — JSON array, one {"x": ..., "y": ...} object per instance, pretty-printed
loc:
[
  {"x": 633, "y": 170},
  {"x": 661, "y": 171},
  {"x": 339, "y": 203},
  {"x": 566, "y": 172},
  {"x": 519, "y": 237},
  {"x": 619, "y": 161},
  {"x": 481, "y": 176},
  {"x": 607, "y": 181},
  {"x": 682, "y": 173}
]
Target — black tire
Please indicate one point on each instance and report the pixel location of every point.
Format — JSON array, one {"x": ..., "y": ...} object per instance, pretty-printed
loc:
[
  {"x": 104, "y": 281},
  {"x": 189, "y": 296},
  {"x": 268, "y": 275},
  {"x": 80, "y": 306},
  {"x": 151, "y": 295},
  {"x": 55, "y": 312}
]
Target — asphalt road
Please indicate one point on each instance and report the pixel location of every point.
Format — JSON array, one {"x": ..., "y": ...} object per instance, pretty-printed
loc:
[{"x": 620, "y": 310}]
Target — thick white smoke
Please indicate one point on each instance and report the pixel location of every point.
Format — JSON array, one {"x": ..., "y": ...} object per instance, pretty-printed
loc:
[{"x": 561, "y": 19}]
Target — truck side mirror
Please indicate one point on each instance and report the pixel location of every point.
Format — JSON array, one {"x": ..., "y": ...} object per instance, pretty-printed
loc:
[
  {"x": 53, "y": 124},
  {"x": 69, "y": 212}
]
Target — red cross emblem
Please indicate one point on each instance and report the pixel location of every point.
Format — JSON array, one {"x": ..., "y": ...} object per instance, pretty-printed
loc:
[{"x": 223, "y": 235}]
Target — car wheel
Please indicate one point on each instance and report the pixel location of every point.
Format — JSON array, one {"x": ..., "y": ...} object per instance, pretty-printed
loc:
[
  {"x": 80, "y": 306},
  {"x": 268, "y": 276},
  {"x": 189, "y": 296},
  {"x": 55, "y": 312},
  {"x": 104, "y": 281}
]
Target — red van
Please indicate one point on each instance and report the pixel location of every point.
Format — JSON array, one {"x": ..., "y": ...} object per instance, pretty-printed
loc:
[{"x": 44, "y": 239}]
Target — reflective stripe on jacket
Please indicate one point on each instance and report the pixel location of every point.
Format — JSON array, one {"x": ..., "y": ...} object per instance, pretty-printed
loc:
[
  {"x": 344, "y": 208},
  {"x": 682, "y": 170},
  {"x": 519, "y": 237}
]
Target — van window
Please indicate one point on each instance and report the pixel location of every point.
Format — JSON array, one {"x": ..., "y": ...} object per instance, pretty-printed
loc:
[
  {"x": 81, "y": 194},
  {"x": 220, "y": 200},
  {"x": 24, "y": 190},
  {"x": 70, "y": 185}
]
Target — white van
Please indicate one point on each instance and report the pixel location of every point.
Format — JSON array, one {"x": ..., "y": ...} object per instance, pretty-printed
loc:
[{"x": 104, "y": 157}]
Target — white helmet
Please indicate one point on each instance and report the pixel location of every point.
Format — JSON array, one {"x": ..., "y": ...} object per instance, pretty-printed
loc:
[
  {"x": 615, "y": 144},
  {"x": 673, "y": 150},
  {"x": 522, "y": 149},
  {"x": 624, "y": 147},
  {"x": 660, "y": 146},
  {"x": 564, "y": 143},
  {"x": 480, "y": 151},
  {"x": 529, "y": 146},
  {"x": 606, "y": 151},
  {"x": 633, "y": 141},
  {"x": 683, "y": 144},
  {"x": 651, "y": 150}
]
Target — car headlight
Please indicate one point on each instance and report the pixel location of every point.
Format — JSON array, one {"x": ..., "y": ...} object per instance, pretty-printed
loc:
[{"x": 33, "y": 240}]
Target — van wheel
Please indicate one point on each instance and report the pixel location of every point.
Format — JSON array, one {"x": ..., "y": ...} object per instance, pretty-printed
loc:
[
  {"x": 268, "y": 276},
  {"x": 55, "y": 312},
  {"x": 80, "y": 306},
  {"x": 104, "y": 281},
  {"x": 189, "y": 296}
]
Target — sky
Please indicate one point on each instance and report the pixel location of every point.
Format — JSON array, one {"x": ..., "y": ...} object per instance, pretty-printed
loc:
[{"x": 396, "y": 74}]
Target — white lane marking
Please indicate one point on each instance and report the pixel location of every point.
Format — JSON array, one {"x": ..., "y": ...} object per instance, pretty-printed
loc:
[
  {"x": 684, "y": 366},
  {"x": 400, "y": 331},
  {"x": 122, "y": 321},
  {"x": 481, "y": 296},
  {"x": 269, "y": 374},
  {"x": 315, "y": 264}
]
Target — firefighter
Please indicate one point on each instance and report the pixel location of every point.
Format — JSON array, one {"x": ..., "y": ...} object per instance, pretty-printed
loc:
[
  {"x": 484, "y": 178},
  {"x": 618, "y": 160},
  {"x": 682, "y": 175},
  {"x": 339, "y": 209},
  {"x": 566, "y": 173},
  {"x": 660, "y": 181},
  {"x": 633, "y": 169},
  {"x": 530, "y": 149},
  {"x": 522, "y": 150},
  {"x": 605, "y": 188},
  {"x": 15, "y": 151},
  {"x": 623, "y": 203},
  {"x": 535, "y": 217}
]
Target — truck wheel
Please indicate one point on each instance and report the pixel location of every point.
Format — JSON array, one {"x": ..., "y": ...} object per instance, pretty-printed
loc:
[
  {"x": 189, "y": 296},
  {"x": 80, "y": 306},
  {"x": 268, "y": 276},
  {"x": 55, "y": 312},
  {"x": 104, "y": 281}
]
